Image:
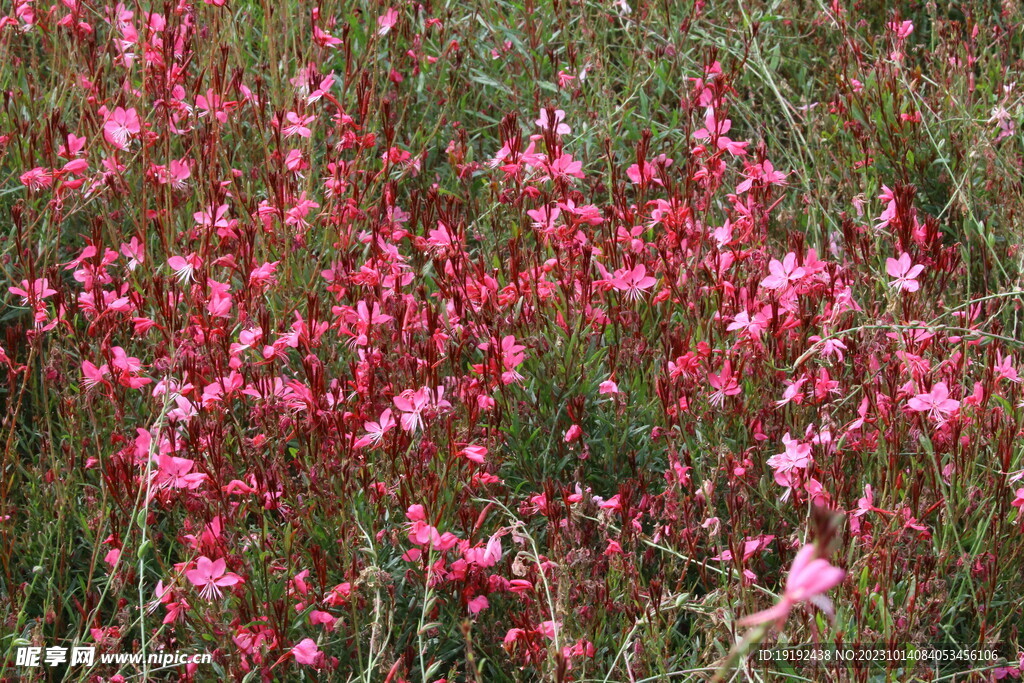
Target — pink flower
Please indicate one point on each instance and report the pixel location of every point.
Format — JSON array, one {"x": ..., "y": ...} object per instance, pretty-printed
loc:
[
  {"x": 936, "y": 403},
  {"x": 573, "y": 433},
  {"x": 753, "y": 327},
  {"x": 474, "y": 453},
  {"x": 633, "y": 281},
  {"x": 94, "y": 375},
  {"x": 210, "y": 576},
  {"x": 549, "y": 629},
  {"x": 214, "y": 218},
  {"x": 646, "y": 172},
  {"x": 34, "y": 290},
  {"x": 488, "y": 556},
  {"x": 184, "y": 266},
  {"x": 37, "y": 178},
  {"x": 421, "y": 533},
  {"x": 809, "y": 577},
  {"x": 297, "y": 125},
  {"x": 211, "y": 101},
  {"x": 889, "y": 213},
  {"x": 901, "y": 29},
  {"x": 176, "y": 473},
  {"x": 121, "y": 125},
  {"x": 416, "y": 513},
  {"x": 387, "y": 21},
  {"x": 176, "y": 609},
  {"x": 176, "y": 173},
  {"x": 750, "y": 547},
  {"x": 318, "y": 617},
  {"x": 545, "y": 123},
  {"x": 440, "y": 238},
  {"x": 565, "y": 167},
  {"x": 412, "y": 405},
  {"x": 478, "y": 604},
  {"x": 1004, "y": 369},
  {"x": 797, "y": 456},
  {"x": 866, "y": 503},
  {"x": 782, "y": 274},
  {"x": 513, "y": 635},
  {"x": 375, "y": 431},
  {"x": 126, "y": 368},
  {"x": 339, "y": 594},
  {"x": 764, "y": 172},
  {"x": 135, "y": 252},
  {"x": 306, "y": 652},
  {"x": 715, "y": 130},
  {"x": 792, "y": 394},
  {"x": 724, "y": 384},
  {"x": 511, "y": 357},
  {"x": 904, "y": 272}
]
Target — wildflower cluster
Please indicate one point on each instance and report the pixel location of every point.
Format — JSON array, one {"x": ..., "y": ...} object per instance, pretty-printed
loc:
[{"x": 421, "y": 343}]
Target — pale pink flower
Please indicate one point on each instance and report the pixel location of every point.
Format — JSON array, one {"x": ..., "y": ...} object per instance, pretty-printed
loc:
[
  {"x": 797, "y": 456},
  {"x": 545, "y": 123},
  {"x": 387, "y": 21},
  {"x": 121, "y": 126},
  {"x": 306, "y": 652},
  {"x": 176, "y": 473},
  {"x": 809, "y": 578},
  {"x": 412, "y": 404},
  {"x": 318, "y": 617},
  {"x": 904, "y": 273},
  {"x": 936, "y": 403},
  {"x": 134, "y": 251},
  {"x": 549, "y": 629},
  {"x": 565, "y": 167},
  {"x": 633, "y": 281},
  {"x": 474, "y": 453},
  {"x": 184, "y": 266},
  {"x": 782, "y": 273},
  {"x": 297, "y": 125},
  {"x": 210, "y": 576},
  {"x": 35, "y": 290},
  {"x": 478, "y": 604},
  {"x": 724, "y": 384},
  {"x": 487, "y": 556},
  {"x": 37, "y": 178},
  {"x": 375, "y": 431},
  {"x": 93, "y": 375}
]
